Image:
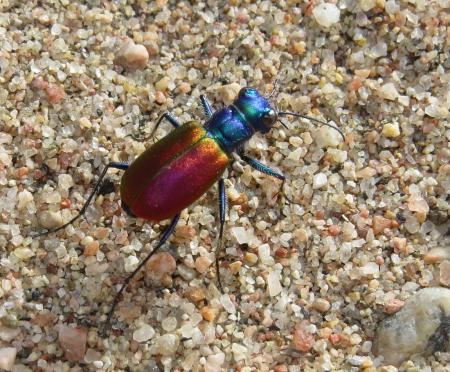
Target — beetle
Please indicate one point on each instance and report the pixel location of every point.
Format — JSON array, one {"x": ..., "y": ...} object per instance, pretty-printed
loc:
[{"x": 176, "y": 170}]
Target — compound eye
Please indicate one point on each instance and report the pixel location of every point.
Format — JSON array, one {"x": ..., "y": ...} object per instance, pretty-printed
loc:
[{"x": 269, "y": 118}]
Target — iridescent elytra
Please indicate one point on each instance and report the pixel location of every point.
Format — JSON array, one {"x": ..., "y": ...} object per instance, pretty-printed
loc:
[{"x": 175, "y": 171}]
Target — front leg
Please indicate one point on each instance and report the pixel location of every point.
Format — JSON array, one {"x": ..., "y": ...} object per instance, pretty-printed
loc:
[
  {"x": 168, "y": 116},
  {"x": 261, "y": 167},
  {"x": 266, "y": 170}
]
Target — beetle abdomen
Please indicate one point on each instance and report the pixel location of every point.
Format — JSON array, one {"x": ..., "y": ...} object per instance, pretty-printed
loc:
[{"x": 173, "y": 173}]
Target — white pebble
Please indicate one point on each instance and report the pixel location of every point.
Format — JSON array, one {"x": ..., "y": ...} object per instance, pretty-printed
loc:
[
  {"x": 273, "y": 283},
  {"x": 130, "y": 263},
  {"x": 264, "y": 254},
  {"x": 227, "y": 304},
  {"x": 388, "y": 91},
  {"x": 241, "y": 235},
  {"x": 7, "y": 358},
  {"x": 145, "y": 333},
  {"x": 326, "y": 14},
  {"x": 320, "y": 180},
  {"x": 327, "y": 137},
  {"x": 239, "y": 352},
  {"x": 167, "y": 344}
]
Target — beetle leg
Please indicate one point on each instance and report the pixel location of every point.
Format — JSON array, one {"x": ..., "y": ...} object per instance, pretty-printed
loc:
[
  {"x": 222, "y": 211},
  {"x": 261, "y": 167},
  {"x": 207, "y": 108},
  {"x": 113, "y": 164},
  {"x": 167, "y": 233},
  {"x": 170, "y": 118},
  {"x": 266, "y": 170}
]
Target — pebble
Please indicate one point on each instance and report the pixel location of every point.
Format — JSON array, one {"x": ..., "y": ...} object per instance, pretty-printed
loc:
[
  {"x": 303, "y": 340},
  {"x": 202, "y": 264},
  {"x": 209, "y": 313},
  {"x": 166, "y": 344},
  {"x": 73, "y": 342},
  {"x": 229, "y": 92},
  {"x": 444, "y": 273},
  {"x": 327, "y": 137},
  {"x": 239, "y": 352},
  {"x": 393, "y": 306},
  {"x": 418, "y": 204},
  {"x": 8, "y": 334},
  {"x": 264, "y": 254},
  {"x": 388, "y": 91},
  {"x": 326, "y": 14},
  {"x": 24, "y": 253},
  {"x": 421, "y": 326},
  {"x": 391, "y": 130},
  {"x": 379, "y": 224},
  {"x": 273, "y": 284},
  {"x": 144, "y": 333},
  {"x": 214, "y": 362},
  {"x": 7, "y": 358},
  {"x": 321, "y": 305},
  {"x": 227, "y": 304},
  {"x": 132, "y": 56},
  {"x": 161, "y": 264},
  {"x": 250, "y": 258},
  {"x": 240, "y": 234},
  {"x": 320, "y": 180},
  {"x": 50, "y": 219},
  {"x": 438, "y": 254}
]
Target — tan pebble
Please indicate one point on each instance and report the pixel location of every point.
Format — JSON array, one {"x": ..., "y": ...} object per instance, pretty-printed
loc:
[
  {"x": 202, "y": 264},
  {"x": 73, "y": 342},
  {"x": 235, "y": 267},
  {"x": 229, "y": 92},
  {"x": 184, "y": 88},
  {"x": 195, "y": 294},
  {"x": 280, "y": 368},
  {"x": 321, "y": 305},
  {"x": 185, "y": 232},
  {"x": 250, "y": 258},
  {"x": 418, "y": 204},
  {"x": 50, "y": 219},
  {"x": 379, "y": 260},
  {"x": 209, "y": 313},
  {"x": 161, "y": 264},
  {"x": 44, "y": 319},
  {"x": 366, "y": 173},
  {"x": 132, "y": 56},
  {"x": 379, "y": 224},
  {"x": 152, "y": 48},
  {"x": 55, "y": 93},
  {"x": 160, "y": 98},
  {"x": 301, "y": 235},
  {"x": 393, "y": 305},
  {"x": 399, "y": 245},
  {"x": 91, "y": 248},
  {"x": 334, "y": 230},
  {"x": 303, "y": 340},
  {"x": 325, "y": 332},
  {"x": 101, "y": 233},
  {"x": 39, "y": 83},
  {"x": 444, "y": 273},
  {"x": 438, "y": 254}
]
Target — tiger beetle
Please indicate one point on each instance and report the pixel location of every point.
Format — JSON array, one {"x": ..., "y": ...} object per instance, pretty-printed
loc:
[{"x": 178, "y": 169}]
